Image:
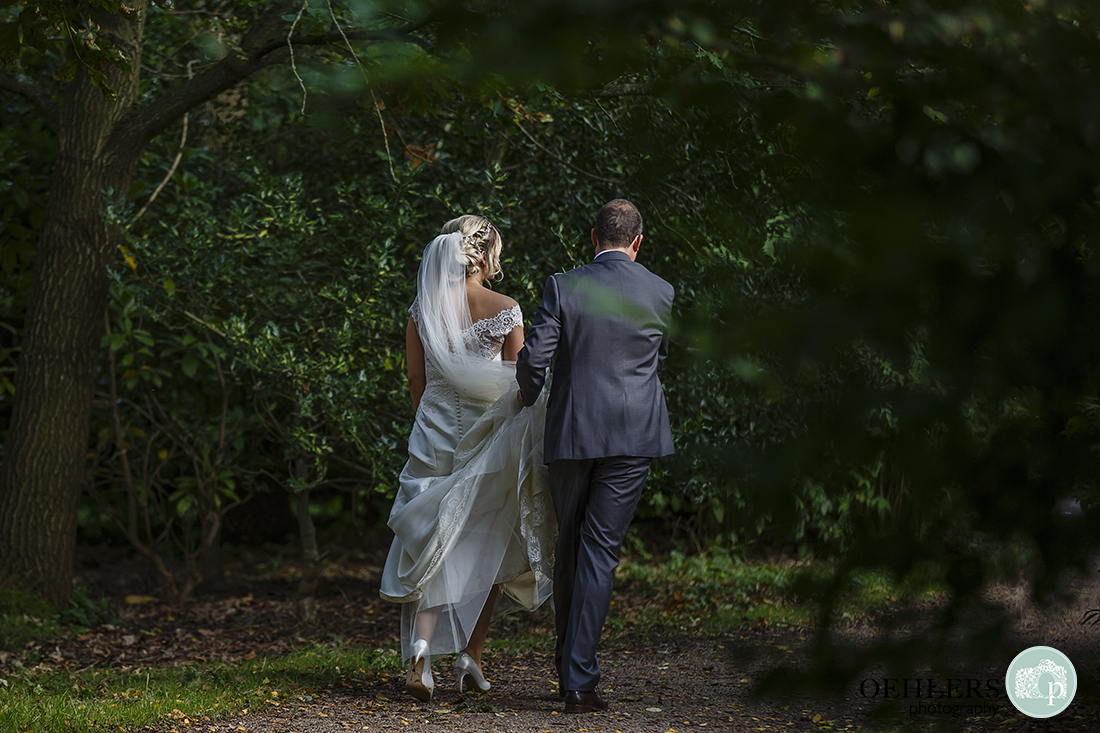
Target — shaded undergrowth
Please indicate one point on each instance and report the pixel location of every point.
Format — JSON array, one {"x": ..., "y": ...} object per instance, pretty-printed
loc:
[
  {"x": 711, "y": 594},
  {"x": 717, "y": 593},
  {"x": 26, "y": 619}
]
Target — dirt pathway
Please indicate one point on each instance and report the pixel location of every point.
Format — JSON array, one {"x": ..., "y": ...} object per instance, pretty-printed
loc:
[
  {"x": 687, "y": 684},
  {"x": 666, "y": 682}
]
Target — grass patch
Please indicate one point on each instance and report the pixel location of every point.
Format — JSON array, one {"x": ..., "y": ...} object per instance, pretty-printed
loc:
[
  {"x": 25, "y": 618},
  {"x": 115, "y": 699},
  {"x": 718, "y": 593}
]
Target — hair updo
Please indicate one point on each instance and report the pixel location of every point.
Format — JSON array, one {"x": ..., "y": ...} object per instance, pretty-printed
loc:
[{"x": 479, "y": 238}]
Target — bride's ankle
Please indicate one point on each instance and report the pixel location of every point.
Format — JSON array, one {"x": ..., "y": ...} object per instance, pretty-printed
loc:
[{"x": 420, "y": 648}]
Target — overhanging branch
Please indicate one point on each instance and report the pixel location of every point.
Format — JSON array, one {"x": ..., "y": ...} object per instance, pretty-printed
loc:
[
  {"x": 620, "y": 90},
  {"x": 562, "y": 160},
  {"x": 259, "y": 49},
  {"x": 400, "y": 36}
]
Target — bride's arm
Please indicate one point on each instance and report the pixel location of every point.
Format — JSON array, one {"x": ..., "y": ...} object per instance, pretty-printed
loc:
[
  {"x": 513, "y": 342},
  {"x": 414, "y": 359}
]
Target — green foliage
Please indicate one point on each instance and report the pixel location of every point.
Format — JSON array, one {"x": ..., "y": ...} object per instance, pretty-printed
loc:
[
  {"x": 33, "y": 33},
  {"x": 24, "y": 618},
  {"x": 24, "y": 146},
  {"x": 314, "y": 332},
  {"x": 715, "y": 593},
  {"x": 171, "y": 436},
  {"x": 84, "y": 612},
  {"x": 317, "y": 332},
  {"x": 55, "y": 702}
]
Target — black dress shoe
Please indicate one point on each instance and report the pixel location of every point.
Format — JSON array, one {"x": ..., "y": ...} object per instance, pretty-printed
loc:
[{"x": 579, "y": 701}]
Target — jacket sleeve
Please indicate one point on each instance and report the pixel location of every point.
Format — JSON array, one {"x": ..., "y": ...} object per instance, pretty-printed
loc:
[
  {"x": 666, "y": 325},
  {"x": 539, "y": 347}
]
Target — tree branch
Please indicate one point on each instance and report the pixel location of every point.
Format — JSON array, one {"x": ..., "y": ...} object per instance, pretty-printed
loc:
[
  {"x": 31, "y": 93},
  {"x": 327, "y": 38},
  {"x": 558, "y": 158},
  {"x": 175, "y": 163},
  {"x": 620, "y": 90},
  {"x": 259, "y": 49},
  {"x": 353, "y": 465}
]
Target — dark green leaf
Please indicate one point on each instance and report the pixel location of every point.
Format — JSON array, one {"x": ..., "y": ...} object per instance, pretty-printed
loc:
[
  {"x": 9, "y": 41},
  {"x": 67, "y": 71}
]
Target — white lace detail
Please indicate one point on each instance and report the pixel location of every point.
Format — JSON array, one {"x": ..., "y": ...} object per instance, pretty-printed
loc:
[
  {"x": 486, "y": 338},
  {"x": 452, "y": 515},
  {"x": 538, "y": 523},
  {"x": 487, "y": 335}
]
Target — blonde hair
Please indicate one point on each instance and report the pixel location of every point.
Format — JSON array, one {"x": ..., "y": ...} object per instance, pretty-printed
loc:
[{"x": 479, "y": 237}]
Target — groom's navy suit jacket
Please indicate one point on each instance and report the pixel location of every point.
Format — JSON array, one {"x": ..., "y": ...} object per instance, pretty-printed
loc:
[{"x": 604, "y": 326}]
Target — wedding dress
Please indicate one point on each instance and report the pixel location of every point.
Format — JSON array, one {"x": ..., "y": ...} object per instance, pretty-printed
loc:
[{"x": 473, "y": 508}]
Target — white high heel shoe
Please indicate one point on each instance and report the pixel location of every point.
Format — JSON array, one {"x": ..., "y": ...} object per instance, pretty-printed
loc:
[
  {"x": 419, "y": 683},
  {"x": 467, "y": 667}
]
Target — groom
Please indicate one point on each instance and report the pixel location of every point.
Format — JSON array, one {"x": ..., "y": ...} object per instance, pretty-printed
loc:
[{"x": 604, "y": 327}]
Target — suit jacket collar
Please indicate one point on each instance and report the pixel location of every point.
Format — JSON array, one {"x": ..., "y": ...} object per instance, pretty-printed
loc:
[{"x": 612, "y": 254}]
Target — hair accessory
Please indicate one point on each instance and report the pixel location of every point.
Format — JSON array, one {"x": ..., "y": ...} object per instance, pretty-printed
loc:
[{"x": 481, "y": 238}]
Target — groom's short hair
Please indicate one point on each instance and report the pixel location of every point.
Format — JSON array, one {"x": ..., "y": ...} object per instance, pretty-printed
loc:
[{"x": 617, "y": 224}]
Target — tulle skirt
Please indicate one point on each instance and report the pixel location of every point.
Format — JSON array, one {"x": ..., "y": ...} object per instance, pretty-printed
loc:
[{"x": 489, "y": 521}]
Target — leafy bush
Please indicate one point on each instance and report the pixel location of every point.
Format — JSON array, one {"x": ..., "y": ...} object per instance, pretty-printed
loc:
[
  {"x": 85, "y": 612},
  {"x": 304, "y": 279}
]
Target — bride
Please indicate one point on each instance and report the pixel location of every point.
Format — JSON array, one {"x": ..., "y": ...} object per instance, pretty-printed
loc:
[{"x": 472, "y": 518}]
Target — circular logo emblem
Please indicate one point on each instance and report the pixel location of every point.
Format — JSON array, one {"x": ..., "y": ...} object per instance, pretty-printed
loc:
[{"x": 1041, "y": 682}]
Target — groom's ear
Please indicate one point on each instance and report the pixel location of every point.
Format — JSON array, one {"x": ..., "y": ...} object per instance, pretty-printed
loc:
[
  {"x": 636, "y": 243},
  {"x": 595, "y": 242}
]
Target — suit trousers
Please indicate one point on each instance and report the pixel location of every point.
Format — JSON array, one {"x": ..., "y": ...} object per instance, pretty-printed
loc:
[{"x": 594, "y": 500}]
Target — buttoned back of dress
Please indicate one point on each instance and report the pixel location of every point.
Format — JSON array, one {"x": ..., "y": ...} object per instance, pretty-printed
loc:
[{"x": 444, "y": 414}]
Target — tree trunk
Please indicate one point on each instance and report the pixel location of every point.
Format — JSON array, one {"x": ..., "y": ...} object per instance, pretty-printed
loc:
[
  {"x": 213, "y": 571},
  {"x": 98, "y": 145},
  {"x": 305, "y": 605},
  {"x": 44, "y": 458}
]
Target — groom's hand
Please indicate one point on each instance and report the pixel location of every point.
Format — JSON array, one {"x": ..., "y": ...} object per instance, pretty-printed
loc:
[{"x": 519, "y": 399}]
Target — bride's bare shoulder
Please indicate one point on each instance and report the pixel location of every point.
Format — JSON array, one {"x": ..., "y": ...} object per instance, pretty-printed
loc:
[
  {"x": 489, "y": 303},
  {"x": 500, "y": 301}
]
